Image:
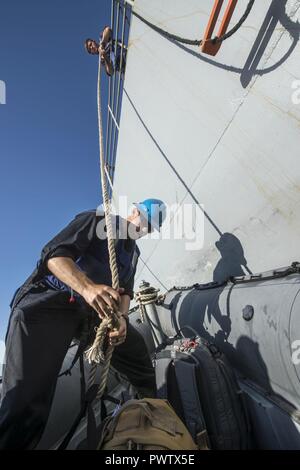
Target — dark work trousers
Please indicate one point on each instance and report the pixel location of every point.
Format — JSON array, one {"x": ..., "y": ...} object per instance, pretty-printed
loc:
[{"x": 41, "y": 328}]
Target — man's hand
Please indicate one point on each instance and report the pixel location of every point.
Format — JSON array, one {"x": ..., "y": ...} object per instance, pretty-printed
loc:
[
  {"x": 118, "y": 337},
  {"x": 102, "y": 298},
  {"x": 99, "y": 296},
  {"x": 102, "y": 52}
]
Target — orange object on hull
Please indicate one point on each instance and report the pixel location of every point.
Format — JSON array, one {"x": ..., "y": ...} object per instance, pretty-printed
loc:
[{"x": 208, "y": 46}]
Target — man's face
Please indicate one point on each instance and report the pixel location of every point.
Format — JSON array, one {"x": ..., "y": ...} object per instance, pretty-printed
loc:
[
  {"x": 140, "y": 226},
  {"x": 144, "y": 227},
  {"x": 92, "y": 47}
]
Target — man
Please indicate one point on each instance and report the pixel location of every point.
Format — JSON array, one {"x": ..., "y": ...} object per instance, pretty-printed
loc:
[
  {"x": 106, "y": 49},
  {"x": 70, "y": 286}
]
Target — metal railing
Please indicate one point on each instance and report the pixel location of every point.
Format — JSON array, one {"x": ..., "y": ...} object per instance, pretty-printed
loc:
[{"x": 120, "y": 23}]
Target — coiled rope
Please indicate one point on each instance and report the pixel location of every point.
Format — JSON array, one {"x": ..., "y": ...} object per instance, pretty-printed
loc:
[
  {"x": 146, "y": 295},
  {"x": 197, "y": 42},
  {"x": 97, "y": 353}
]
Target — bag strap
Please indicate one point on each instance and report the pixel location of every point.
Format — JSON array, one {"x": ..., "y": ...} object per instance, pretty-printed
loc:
[
  {"x": 187, "y": 381},
  {"x": 165, "y": 357},
  {"x": 237, "y": 393},
  {"x": 89, "y": 398},
  {"x": 87, "y": 408},
  {"x": 77, "y": 356},
  {"x": 172, "y": 354},
  {"x": 161, "y": 374},
  {"x": 186, "y": 378}
]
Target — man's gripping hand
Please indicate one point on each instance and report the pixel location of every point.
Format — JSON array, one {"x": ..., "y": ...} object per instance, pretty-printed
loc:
[
  {"x": 102, "y": 298},
  {"x": 117, "y": 337}
]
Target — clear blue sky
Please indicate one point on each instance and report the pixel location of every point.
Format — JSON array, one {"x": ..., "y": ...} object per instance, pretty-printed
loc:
[{"x": 49, "y": 168}]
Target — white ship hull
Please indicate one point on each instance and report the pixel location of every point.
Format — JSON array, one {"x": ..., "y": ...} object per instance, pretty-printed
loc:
[{"x": 219, "y": 131}]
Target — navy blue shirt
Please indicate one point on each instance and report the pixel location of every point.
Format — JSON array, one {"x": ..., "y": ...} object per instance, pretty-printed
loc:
[{"x": 80, "y": 242}]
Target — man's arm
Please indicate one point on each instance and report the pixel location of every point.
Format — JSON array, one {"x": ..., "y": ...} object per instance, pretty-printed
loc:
[
  {"x": 73, "y": 241},
  {"x": 98, "y": 296},
  {"x": 60, "y": 254}
]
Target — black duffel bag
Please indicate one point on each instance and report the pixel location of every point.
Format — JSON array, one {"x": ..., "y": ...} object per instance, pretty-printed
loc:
[{"x": 196, "y": 379}]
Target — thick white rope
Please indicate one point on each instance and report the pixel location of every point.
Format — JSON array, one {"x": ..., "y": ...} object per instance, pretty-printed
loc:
[{"x": 96, "y": 353}]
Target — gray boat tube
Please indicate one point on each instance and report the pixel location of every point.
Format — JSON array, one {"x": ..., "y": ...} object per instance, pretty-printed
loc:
[{"x": 254, "y": 320}]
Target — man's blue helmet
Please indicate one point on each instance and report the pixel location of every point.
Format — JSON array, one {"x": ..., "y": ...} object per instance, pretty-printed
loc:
[{"x": 153, "y": 210}]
